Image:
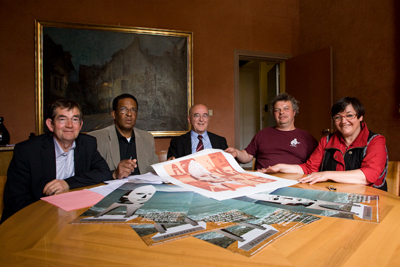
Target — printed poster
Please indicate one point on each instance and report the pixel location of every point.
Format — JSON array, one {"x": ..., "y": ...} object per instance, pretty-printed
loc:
[
  {"x": 216, "y": 174},
  {"x": 141, "y": 204}
]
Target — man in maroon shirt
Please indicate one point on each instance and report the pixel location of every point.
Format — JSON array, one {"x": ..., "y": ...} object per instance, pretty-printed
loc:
[{"x": 283, "y": 143}]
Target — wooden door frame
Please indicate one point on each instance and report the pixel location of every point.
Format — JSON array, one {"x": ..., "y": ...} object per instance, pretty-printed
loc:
[{"x": 250, "y": 55}]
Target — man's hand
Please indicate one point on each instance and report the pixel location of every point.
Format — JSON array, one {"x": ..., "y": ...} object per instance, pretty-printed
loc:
[
  {"x": 125, "y": 168},
  {"x": 171, "y": 158},
  {"x": 233, "y": 151},
  {"x": 55, "y": 187},
  {"x": 240, "y": 155},
  {"x": 270, "y": 169}
]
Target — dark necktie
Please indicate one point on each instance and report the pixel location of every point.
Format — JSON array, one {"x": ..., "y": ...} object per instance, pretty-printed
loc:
[{"x": 200, "y": 144}]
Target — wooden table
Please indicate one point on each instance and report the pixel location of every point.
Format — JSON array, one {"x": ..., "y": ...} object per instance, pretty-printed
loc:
[{"x": 40, "y": 235}]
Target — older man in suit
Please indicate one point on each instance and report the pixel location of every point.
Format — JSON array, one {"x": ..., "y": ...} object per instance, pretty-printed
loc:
[
  {"x": 198, "y": 138},
  {"x": 126, "y": 149},
  {"x": 55, "y": 162}
]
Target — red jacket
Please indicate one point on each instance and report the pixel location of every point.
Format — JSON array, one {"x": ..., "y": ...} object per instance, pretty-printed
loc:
[{"x": 374, "y": 155}]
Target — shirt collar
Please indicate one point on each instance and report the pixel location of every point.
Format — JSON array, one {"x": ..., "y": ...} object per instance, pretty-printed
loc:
[
  {"x": 194, "y": 134},
  {"x": 120, "y": 136},
  {"x": 59, "y": 150},
  {"x": 360, "y": 141}
]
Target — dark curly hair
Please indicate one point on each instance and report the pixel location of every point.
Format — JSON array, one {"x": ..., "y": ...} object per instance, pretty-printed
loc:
[{"x": 342, "y": 103}]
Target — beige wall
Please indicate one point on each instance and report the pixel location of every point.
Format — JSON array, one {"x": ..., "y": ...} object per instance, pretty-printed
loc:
[
  {"x": 366, "y": 62},
  {"x": 218, "y": 26}
]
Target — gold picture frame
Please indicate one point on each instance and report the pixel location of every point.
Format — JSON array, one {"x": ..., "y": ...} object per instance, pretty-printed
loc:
[{"x": 92, "y": 64}]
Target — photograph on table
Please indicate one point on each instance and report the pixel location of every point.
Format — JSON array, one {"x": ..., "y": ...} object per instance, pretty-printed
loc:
[
  {"x": 140, "y": 204},
  {"x": 204, "y": 215},
  {"x": 215, "y": 173},
  {"x": 248, "y": 238},
  {"x": 324, "y": 203}
]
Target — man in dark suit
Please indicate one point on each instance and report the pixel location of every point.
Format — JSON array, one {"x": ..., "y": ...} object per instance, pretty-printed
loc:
[
  {"x": 198, "y": 138},
  {"x": 53, "y": 163}
]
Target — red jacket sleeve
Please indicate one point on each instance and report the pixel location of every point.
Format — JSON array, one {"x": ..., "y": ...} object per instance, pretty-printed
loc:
[
  {"x": 313, "y": 164},
  {"x": 374, "y": 161}
]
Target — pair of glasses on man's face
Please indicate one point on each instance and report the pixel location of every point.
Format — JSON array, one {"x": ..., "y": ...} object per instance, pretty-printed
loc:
[
  {"x": 197, "y": 116},
  {"x": 125, "y": 110},
  {"x": 64, "y": 120},
  {"x": 347, "y": 117}
]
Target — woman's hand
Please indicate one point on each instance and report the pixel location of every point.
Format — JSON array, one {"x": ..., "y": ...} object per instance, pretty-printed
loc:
[{"x": 315, "y": 177}]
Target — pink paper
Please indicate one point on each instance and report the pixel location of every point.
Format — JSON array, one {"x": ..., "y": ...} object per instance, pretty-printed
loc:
[{"x": 74, "y": 200}]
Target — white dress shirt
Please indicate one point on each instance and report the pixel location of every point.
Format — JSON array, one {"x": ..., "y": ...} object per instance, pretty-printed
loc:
[{"x": 65, "y": 163}]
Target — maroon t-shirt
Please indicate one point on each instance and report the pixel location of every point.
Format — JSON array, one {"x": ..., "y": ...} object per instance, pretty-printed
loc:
[{"x": 271, "y": 146}]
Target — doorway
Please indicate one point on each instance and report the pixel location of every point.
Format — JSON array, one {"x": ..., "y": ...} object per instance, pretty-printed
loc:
[
  {"x": 308, "y": 77},
  {"x": 258, "y": 80}
]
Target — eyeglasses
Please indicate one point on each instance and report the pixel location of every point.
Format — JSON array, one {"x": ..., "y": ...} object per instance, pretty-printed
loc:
[
  {"x": 125, "y": 110},
  {"x": 64, "y": 120},
  {"x": 205, "y": 116},
  {"x": 347, "y": 117}
]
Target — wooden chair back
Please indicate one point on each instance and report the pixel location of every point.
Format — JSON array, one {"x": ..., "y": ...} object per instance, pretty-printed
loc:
[
  {"x": 253, "y": 167},
  {"x": 393, "y": 178},
  {"x": 5, "y": 159},
  {"x": 3, "y": 180}
]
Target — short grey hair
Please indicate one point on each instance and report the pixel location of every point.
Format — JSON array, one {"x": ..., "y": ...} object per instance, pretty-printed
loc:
[{"x": 285, "y": 97}]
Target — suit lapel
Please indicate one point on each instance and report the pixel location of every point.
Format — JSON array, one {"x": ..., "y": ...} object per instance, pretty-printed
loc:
[
  {"x": 187, "y": 143},
  {"x": 79, "y": 156},
  {"x": 48, "y": 155},
  {"x": 139, "y": 142},
  {"x": 114, "y": 145},
  {"x": 212, "y": 140}
]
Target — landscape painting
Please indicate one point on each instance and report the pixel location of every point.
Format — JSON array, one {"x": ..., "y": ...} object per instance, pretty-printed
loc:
[{"x": 92, "y": 64}]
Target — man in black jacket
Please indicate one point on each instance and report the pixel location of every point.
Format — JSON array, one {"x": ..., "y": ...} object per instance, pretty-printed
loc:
[
  {"x": 53, "y": 163},
  {"x": 198, "y": 138}
]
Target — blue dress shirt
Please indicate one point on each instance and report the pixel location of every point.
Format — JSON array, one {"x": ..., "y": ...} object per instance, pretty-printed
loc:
[{"x": 195, "y": 141}]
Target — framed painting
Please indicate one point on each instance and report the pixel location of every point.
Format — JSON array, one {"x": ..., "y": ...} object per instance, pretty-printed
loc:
[{"x": 92, "y": 64}]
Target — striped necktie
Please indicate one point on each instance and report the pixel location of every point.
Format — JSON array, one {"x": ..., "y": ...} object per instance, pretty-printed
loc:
[{"x": 200, "y": 144}]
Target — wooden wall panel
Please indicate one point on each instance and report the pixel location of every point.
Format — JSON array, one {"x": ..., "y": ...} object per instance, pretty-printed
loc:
[{"x": 366, "y": 56}]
